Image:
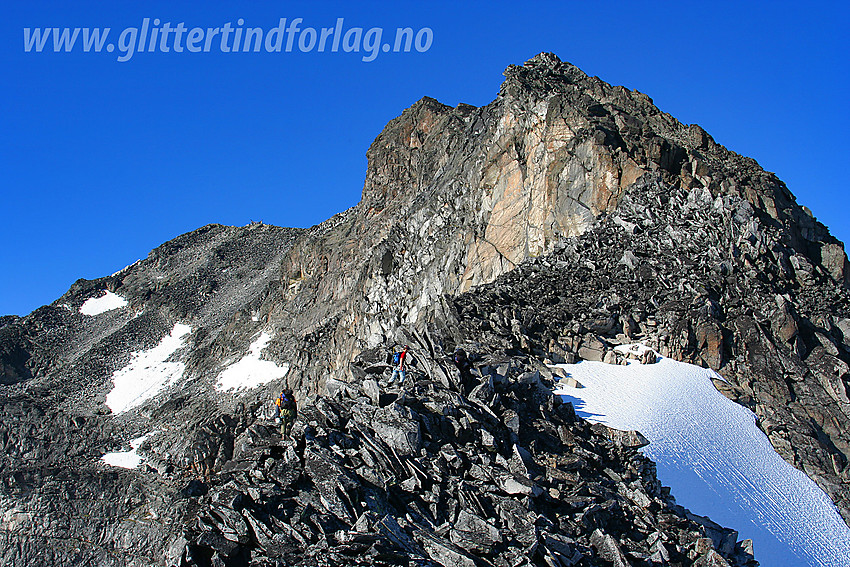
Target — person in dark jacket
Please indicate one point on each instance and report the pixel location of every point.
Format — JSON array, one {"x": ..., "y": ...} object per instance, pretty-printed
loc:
[
  {"x": 465, "y": 367},
  {"x": 287, "y": 410}
]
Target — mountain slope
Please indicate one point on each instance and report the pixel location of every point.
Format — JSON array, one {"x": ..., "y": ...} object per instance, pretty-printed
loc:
[
  {"x": 642, "y": 226},
  {"x": 714, "y": 458}
]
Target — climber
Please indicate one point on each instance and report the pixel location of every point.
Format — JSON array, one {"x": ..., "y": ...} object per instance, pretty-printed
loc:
[
  {"x": 462, "y": 361},
  {"x": 399, "y": 365},
  {"x": 286, "y": 411},
  {"x": 465, "y": 367}
]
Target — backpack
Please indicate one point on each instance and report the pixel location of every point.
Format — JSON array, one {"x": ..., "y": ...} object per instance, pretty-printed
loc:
[
  {"x": 396, "y": 357},
  {"x": 281, "y": 401}
]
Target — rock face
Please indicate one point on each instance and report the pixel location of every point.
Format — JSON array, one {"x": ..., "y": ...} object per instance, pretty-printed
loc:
[
  {"x": 567, "y": 217},
  {"x": 783, "y": 355}
]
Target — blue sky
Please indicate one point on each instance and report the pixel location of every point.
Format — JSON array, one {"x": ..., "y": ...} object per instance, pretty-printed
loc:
[{"x": 103, "y": 160}]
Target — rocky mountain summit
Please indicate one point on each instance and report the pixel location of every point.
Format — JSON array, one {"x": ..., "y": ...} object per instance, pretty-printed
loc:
[{"x": 566, "y": 217}]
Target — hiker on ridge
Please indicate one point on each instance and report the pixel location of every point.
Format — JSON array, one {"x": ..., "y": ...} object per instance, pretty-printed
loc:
[
  {"x": 399, "y": 365},
  {"x": 286, "y": 411},
  {"x": 465, "y": 367}
]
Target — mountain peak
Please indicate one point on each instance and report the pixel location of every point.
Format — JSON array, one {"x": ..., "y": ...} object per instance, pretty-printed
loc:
[
  {"x": 562, "y": 221},
  {"x": 545, "y": 63}
]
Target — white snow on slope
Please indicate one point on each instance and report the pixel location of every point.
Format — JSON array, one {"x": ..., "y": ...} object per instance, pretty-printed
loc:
[
  {"x": 251, "y": 371},
  {"x": 147, "y": 373},
  {"x": 717, "y": 462},
  {"x": 126, "y": 459},
  {"x": 107, "y": 302}
]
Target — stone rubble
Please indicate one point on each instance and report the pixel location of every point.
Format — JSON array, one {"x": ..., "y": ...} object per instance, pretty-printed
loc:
[
  {"x": 420, "y": 475},
  {"x": 567, "y": 218}
]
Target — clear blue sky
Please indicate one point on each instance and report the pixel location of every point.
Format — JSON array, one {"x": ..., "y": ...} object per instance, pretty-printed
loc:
[{"x": 102, "y": 161}]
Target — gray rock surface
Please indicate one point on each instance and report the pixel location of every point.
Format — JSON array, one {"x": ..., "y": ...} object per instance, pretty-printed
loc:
[{"x": 566, "y": 217}]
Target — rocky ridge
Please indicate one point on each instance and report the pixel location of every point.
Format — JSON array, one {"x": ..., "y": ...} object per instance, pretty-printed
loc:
[
  {"x": 577, "y": 213},
  {"x": 411, "y": 474},
  {"x": 421, "y": 474},
  {"x": 775, "y": 335}
]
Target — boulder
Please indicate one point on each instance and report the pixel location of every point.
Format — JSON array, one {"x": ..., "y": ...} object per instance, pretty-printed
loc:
[
  {"x": 398, "y": 428},
  {"x": 608, "y": 549},
  {"x": 648, "y": 357},
  {"x": 372, "y": 390},
  {"x": 592, "y": 348},
  {"x": 474, "y": 533}
]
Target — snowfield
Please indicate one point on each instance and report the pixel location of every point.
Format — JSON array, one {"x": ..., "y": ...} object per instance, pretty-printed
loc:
[
  {"x": 717, "y": 462},
  {"x": 107, "y": 302},
  {"x": 126, "y": 459},
  {"x": 148, "y": 372},
  {"x": 251, "y": 371}
]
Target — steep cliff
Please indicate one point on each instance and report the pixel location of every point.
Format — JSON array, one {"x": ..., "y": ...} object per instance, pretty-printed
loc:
[{"x": 644, "y": 227}]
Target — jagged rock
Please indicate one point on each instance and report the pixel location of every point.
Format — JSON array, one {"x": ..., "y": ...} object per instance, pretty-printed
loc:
[
  {"x": 603, "y": 325},
  {"x": 475, "y": 534},
  {"x": 371, "y": 389},
  {"x": 649, "y": 357},
  {"x": 317, "y": 497},
  {"x": 709, "y": 343},
  {"x": 540, "y": 225},
  {"x": 592, "y": 349},
  {"x": 625, "y": 438},
  {"x": 784, "y": 321},
  {"x": 445, "y": 553},
  {"x": 844, "y": 327},
  {"x": 563, "y": 548},
  {"x": 396, "y": 425},
  {"x": 336, "y": 488},
  {"x": 335, "y": 388},
  {"x": 608, "y": 549},
  {"x": 711, "y": 559},
  {"x": 517, "y": 485},
  {"x": 285, "y": 470}
]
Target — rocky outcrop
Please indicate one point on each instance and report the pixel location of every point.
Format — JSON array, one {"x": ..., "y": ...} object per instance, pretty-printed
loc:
[
  {"x": 696, "y": 290},
  {"x": 505, "y": 477},
  {"x": 571, "y": 215}
]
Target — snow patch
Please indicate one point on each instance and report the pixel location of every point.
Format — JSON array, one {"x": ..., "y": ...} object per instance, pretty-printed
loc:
[
  {"x": 147, "y": 373},
  {"x": 107, "y": 302},
  {"x": 251, "y": 371},
  {"x": 717, "y": 462},
  {"x": 126, "y": 459},
  {"x": 636, "y": 349}
]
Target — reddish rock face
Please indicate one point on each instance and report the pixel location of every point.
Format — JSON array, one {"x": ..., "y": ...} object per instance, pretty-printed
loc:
[{"x": 455, "y": 197}]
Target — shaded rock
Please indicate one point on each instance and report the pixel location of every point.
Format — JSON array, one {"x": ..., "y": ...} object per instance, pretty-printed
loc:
[
  {"x": 194, "y": 489},
  {"x": 633, "y": 439},
  {"x": 337, "y": 490}
]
